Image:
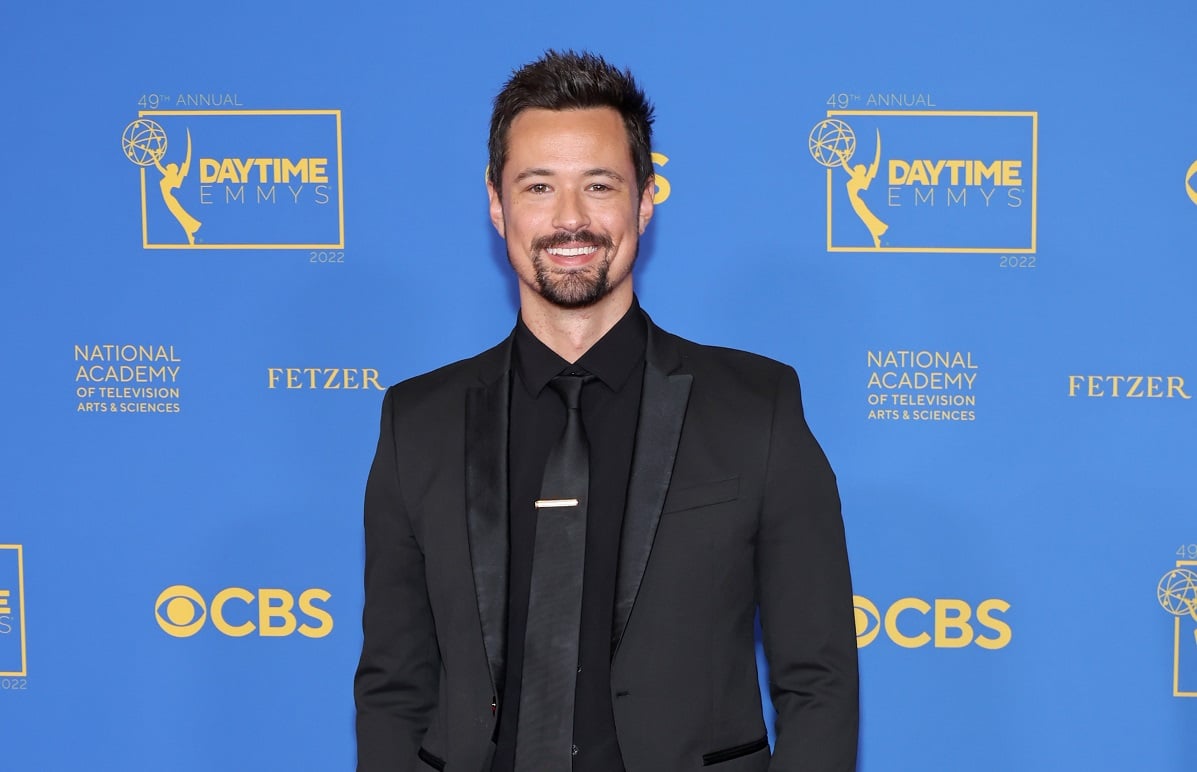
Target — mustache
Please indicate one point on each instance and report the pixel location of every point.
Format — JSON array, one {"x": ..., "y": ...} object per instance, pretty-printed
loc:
[{"x": 561, "y": 238}]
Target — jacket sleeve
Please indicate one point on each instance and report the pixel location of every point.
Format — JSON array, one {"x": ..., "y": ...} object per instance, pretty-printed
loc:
[
  {"x": 395, "y": 688},
  {"x": 805, "y": 596}
]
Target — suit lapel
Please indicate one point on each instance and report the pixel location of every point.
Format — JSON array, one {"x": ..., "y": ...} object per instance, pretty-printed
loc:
[
  {"x": 662, "y": 410},
  {"x": 487, "y": 411},
  {"x": 663, "y": 401}
]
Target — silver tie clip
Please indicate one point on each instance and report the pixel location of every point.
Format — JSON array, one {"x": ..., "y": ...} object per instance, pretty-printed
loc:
[{"x": 545, "y": 503}]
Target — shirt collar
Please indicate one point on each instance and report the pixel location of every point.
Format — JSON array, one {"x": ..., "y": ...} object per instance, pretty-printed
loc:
[{"x": 612, "y": 359}]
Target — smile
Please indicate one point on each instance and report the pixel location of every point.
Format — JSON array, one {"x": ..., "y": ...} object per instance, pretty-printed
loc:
[{"x": 571, "y": 252}]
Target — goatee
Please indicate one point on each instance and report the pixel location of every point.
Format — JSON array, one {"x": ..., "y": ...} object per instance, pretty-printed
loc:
[{"x": 573, "y": 287}]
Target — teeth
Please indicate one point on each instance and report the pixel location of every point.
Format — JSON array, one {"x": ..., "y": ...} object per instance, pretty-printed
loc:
[{"x": 573, "y": 252}]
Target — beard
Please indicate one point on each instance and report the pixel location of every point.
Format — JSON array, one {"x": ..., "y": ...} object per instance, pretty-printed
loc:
[{"x": 574, "y": 287}]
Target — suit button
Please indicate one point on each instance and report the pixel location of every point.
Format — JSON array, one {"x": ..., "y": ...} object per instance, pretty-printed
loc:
[{"x": 573, "y": 750}]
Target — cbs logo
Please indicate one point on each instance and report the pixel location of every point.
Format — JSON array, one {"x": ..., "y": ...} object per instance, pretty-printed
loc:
[
  {"x": 663, "y": 188},
  {"x": 952, "y": 623},
  {"x": 181, "y": 612}
]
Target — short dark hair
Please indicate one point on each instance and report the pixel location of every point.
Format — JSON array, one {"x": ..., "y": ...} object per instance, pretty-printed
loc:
[{"x": 568, "y": 80}]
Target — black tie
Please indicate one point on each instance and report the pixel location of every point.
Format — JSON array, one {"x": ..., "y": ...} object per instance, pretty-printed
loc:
[{"x": 544, "y": 738}]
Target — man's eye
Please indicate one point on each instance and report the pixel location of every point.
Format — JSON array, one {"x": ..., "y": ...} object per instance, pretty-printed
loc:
[
  {"x": 600, "y": 187},
  {"x": 539, "y": 187}
]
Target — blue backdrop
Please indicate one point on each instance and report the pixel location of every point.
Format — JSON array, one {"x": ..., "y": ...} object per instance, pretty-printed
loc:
[{"x": 230, "y": 225}]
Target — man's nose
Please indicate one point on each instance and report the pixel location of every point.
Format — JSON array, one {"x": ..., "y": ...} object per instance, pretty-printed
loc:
[{"x": 570, "y": 214}]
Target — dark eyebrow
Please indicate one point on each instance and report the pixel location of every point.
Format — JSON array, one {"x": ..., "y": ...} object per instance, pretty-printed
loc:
[
  {"x": 526, "y": 173},
  {"x": 604, "y": 173},
  {"x": 596, "y": 172}
]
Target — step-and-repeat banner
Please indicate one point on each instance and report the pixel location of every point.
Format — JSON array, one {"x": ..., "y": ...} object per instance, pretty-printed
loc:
[{"x": 230, "y": 226}]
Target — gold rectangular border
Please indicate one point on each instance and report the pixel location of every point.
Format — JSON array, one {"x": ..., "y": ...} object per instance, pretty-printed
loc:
[
  {"x": 1033, "y": 115},
  {"x": 21, "y": 609},
  {"x": 145, "y": 241},
  {"x": 1176, "y": 692}
]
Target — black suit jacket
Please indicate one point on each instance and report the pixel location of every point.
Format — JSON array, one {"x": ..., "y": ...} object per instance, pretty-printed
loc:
[{"x": 731, "y": 504}]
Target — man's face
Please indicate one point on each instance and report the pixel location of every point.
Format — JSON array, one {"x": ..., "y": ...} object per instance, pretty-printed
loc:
[{"x": 570, "y": 211}]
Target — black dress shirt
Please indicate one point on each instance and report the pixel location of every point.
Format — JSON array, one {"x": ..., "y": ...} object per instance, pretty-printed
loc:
[{"x": 610, "y": 409}]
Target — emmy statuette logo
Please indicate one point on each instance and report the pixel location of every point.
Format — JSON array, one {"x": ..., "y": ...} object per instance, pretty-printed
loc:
[
  {"x": 833, "y": 143},
  {"x": 1177, "y": 594},
  {"x": 144, "y": 143}
]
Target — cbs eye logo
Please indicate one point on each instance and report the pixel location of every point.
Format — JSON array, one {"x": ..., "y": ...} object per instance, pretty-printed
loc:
[
  {"x": 952, "y": 625},
  {"x": 237, "y": 612}
]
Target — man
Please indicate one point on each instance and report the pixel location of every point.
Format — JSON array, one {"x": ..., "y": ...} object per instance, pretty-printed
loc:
[{"x": 568, "y": 536}]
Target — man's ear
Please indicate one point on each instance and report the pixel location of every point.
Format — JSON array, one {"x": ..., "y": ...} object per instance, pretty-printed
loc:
[
  {"x": 496, "y": 209},
  {"x": 646, "y": 203}
]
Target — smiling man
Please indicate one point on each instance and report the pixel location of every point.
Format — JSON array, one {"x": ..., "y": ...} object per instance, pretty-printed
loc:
[{"x": 568, "y": 536}]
